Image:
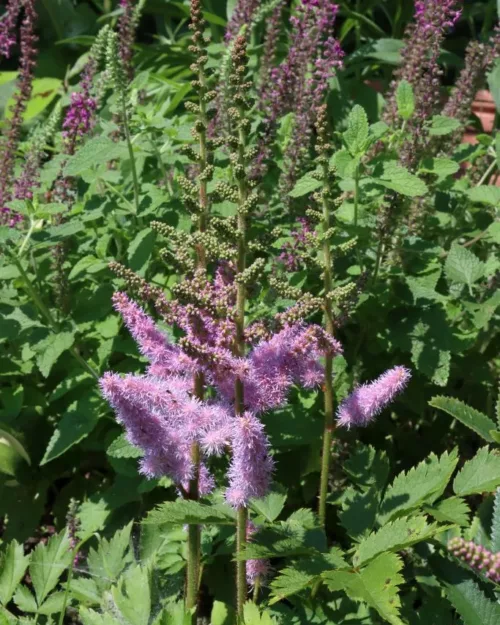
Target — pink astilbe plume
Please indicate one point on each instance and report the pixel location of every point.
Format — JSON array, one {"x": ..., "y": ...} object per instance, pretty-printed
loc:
[
  {"x": 368, "y": 400},
  {"x": 251, "y": 465}
]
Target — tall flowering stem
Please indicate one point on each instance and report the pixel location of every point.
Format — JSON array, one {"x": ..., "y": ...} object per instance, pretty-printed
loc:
[
  {"x": 203, "y": 159},
  {"x": 323, "y": 148},
  {"x": 8, "y": 27},
  {"x": 9, "y": 142},
  {"x": 240, "y": 124}
]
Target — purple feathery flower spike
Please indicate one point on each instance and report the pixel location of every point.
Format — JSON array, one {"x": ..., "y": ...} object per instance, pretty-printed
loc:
[
  {"x": 251, "y": 466},
  {"x": 368, "y": 400},
  {"x": 477, "y": 557},
  {"x": 126, "y": 28}
]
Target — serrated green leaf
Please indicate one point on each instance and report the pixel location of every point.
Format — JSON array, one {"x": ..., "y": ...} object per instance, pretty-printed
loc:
[
  {"x": 399, "y": 179},
  {"x": 485, "y": 194},
  {"x": 451, "y": 510},
  {"x": 440, "y": 167},
  {"x": 25, "y": 600},
  {"x": 132, "y": 596},
  {"x": 76, "y": 423},
  {"x": 140, "y": 250},
  {"x": 464, "y": 594},
  {"x": 95, "y": 151},
  {"x": 270, "y": 506},
  {"x": 110, "y": 558},
  {"x": 91, "y": 617},
  {"x": 376, "y": 585},
  {"x": 472, "y": 418},
  {"x": 479, "y": 475},
  {"x": 48, "y": 562},
  {"x": 52, "y": 349},
  {"x": 495, "y": 523},
  {"x": 13, "y": 564},
  {"x": 356, "y": 135},
  {"x": 289, "y": 582},
  {"x": 463, "y": 266},
  {"x": 344, "y": 163},
  {"x": 359, "y": 511},
  {"x": 305, "y": 185},
  {"x": 367, "y": 467},
  {"x": 85, "y": 591},
  {"x": 185, "y": 512},
  {"x": 121, "y": 448},
  {"x": 405, "y": 99},
  {"x": 442, "y": 125},
  {"x": 399, "y": 534},
  {"x": 422, "y": 484},
  {"x": 54, "y": 603}
]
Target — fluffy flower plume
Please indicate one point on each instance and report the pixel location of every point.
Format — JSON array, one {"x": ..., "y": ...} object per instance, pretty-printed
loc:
[
  {"x": 251, "y": 466},
  {"x": 163, "y": 419},
  {"x": 368, "y": 400},
  {"x": 477, "y": 557}
]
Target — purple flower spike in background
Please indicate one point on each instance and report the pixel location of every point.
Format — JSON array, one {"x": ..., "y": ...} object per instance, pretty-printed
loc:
[
  {"x": 477, "y": 557},
  {"x": 251, "y": 465},
  {"x": 8, "y": 27},
  {"x": 368, "y": 400}
]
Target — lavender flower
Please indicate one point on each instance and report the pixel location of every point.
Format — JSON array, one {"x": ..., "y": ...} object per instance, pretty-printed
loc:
[
  {"x": 368, "y": 400},
  {"x": 241, "y": 16},
  {"x": 292, "y": 253},
  {"x": 257, "y": 570},
  {"x": 9, "y": 143},
  {"x": 8, "y": 27},
  {"x": 251, "y": 466},
  {"x": 477, "y": 557},
  {"x": 127, "y": 25},
  {"x": 423, "y": 40}
]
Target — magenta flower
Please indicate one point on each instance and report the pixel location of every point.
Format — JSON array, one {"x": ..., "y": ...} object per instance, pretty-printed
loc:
[
  {"x": 368, "y": 400},
  {"x": 257, "y": 571},
  {"x": 477, "y": 557},
  {"x": 251, "y": 465}
]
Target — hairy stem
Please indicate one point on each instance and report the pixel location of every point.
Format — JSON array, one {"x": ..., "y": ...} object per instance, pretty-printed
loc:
[
  {"x": 241, "y": 581},
  {"x": 328, "y": 395},
  {"x": 130, "y": 152}
]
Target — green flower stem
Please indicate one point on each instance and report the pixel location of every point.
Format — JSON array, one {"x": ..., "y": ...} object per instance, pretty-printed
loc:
[
  {"x": 40, "y": 304},
  {"x": 241, "y": 580},
  {"x": 130, "y": 152},
  {"x": 328, "y": 394}
]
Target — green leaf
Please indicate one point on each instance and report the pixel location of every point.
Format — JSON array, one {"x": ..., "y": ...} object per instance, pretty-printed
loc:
[
  {"x": 399, "y": 179},
  {"x": 140, "y": 250},
  {"x": 108, "y": 561},
  {"x": 222, "y": 614},
  {"x": 359, "y": 511},
  {"x": 451, "y": 510},
  {"x": 356, "y": 135},
  {"x": 495, "y": 524},
  {"x": 465, "y": 595},
  {"x": 132, "y": 596},
  {"x": 91, "y": 617},
  {"x": 95, "y": 151},
  {"x": 121, "y": 448},
  {"x": 82, "y": 266},
  {"x": 54, "y": 603},
  {"x": 405, "y": 99},
  {"x": 463, "y": 266},
  {"x": 305, "y": 185},
  {"x": 440, "y": 167},
  {"x": 12, "y": 461},
  {"x": 289, "y": 582},
  {"x": 399, "y": 534},
  {"x": 423, "y": 484},
  {"x": 473, "y": 419},
  {"x": 52, "y": 348},
  {"x": 485, "y": 194},
  {"x": 185, "y": 512},
  {"x": 25, "y": 600},
  {"x": 13, "y": 564},
  {"x": 367, "y": 467},
  {"x": 479, "y": 475},
  {"x": 270, "y": 506},
  {"x": 76, "y": 423},
  {"x": 85, "y": 591},
  {"x": 376, "y": 585},
  {"x": 442, "y": 125},
  {"x": 344, "y": 163},
  {"x": 48, "y": 562},
  {"x": 252, "y": 615}
]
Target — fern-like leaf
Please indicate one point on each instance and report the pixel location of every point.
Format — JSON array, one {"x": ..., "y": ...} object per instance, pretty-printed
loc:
[
  {"x": 479, "y": 475},
  {"x": 470, "y": 417}
]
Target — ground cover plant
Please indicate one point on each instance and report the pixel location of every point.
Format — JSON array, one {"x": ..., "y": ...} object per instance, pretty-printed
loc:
[{"x": 249, "y": 313}]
